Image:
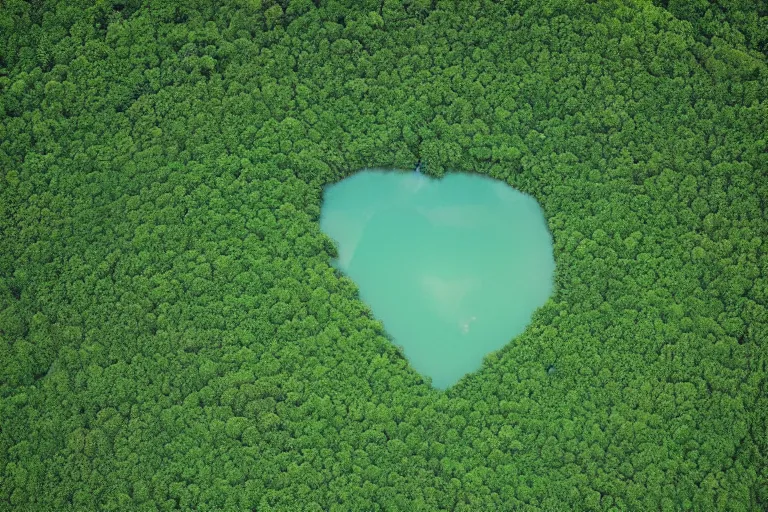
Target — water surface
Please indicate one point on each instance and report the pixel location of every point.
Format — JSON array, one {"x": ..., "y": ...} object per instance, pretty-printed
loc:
[{"x": 454, "y": 268}]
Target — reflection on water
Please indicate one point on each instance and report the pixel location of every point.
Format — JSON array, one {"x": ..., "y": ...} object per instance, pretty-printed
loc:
[
  {"x": 453, "y": 268},
  {"x": 446, "y": 296}
]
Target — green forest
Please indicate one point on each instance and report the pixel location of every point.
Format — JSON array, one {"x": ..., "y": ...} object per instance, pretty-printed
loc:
[{"x": 173, "y": 335}]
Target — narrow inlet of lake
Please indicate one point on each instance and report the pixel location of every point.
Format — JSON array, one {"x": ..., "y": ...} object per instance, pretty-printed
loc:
[{"x": 454, "y": 268}]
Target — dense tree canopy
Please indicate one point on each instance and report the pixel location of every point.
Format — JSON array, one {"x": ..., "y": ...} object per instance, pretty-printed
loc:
[
  {"x": 741, "y": 23},
  {"x": 173, "y": 336}
]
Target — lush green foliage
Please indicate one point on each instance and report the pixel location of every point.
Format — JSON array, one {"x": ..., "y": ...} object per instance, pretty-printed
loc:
[
  {"x": 737, "y": 22},
  {"x": 174, "y": 337}
]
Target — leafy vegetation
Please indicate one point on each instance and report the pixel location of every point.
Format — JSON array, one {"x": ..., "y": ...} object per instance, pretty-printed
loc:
[
  {"x": 740, "y": 23},
  {"x": 174, "y": 337}
]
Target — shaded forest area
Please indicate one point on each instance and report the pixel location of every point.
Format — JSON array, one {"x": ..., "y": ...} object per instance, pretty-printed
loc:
[{"x": 173, "y": 336}]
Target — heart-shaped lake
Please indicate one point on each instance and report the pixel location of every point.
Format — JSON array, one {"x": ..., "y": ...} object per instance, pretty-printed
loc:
[{"x": 454, "y": 268}]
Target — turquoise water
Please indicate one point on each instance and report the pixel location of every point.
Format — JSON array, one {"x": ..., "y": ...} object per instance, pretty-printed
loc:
[{"x": 454, "y": 268}]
